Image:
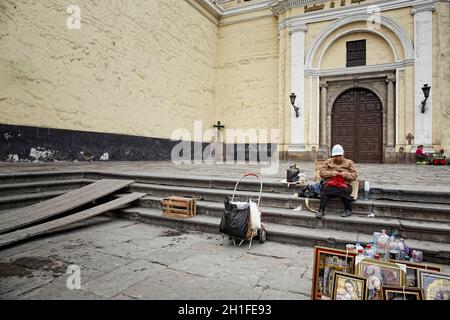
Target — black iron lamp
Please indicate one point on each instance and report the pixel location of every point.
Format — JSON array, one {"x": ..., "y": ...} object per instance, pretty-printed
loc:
[
  {"x": 426, "y": 92},
  {"x": 293, "y": 97}
]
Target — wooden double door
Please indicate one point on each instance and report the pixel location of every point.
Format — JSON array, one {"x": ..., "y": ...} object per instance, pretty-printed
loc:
[{"x": 357, "y": 124}]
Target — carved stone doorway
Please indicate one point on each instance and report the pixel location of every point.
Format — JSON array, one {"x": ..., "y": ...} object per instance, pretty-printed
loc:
[{"x": 357, "y": 124}]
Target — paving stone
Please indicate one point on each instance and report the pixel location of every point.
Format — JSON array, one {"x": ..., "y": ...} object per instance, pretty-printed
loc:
[
  {"x": 57, "y": 290},
  {"x": 176, "y": 285},
  {"x": 14, "y": 286},
  {"x": 271, "y": 294},
  {"x": 276, "y": 250},
  {"x": 291, "y": 279},
  {"x": 138, "y": 230},
  {"x": 122, "y": 278}
]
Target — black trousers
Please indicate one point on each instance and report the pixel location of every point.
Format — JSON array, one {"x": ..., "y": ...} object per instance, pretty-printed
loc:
[{"x": 328, "y": 192}]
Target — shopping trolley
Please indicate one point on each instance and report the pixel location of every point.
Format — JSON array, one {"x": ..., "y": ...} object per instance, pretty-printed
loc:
[{"x": 242, "y": 220}]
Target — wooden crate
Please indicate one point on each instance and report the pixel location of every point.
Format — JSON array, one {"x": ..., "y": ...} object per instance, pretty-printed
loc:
[{"x": 179, "y": 207}]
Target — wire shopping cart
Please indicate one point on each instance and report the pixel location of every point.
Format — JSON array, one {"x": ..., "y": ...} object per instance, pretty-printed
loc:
[{"x": 242, "y": 220}]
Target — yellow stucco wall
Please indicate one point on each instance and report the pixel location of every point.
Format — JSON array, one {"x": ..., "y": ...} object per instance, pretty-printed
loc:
[
  {"x": 247, "y": 75},
  {"x": 131, "y": 67}
]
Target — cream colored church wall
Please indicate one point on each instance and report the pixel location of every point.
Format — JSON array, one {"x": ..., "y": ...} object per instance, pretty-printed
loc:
[
  {"x": 131, "y": 67},
  {"x": 247, "y": 75}
]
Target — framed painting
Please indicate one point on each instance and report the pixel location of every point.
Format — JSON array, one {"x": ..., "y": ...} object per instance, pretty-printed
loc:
[
  {"x": 402, "y": 293},
  {"x": 379, "y": 273},
  {"x": 325, "y": 261},
  {"x": 436, "y": 286},
  {"x": 412, "y": 271},
  {"x": 347, "y": 286}
]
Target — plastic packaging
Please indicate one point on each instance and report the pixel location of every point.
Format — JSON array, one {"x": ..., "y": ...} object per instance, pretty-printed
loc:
[
  {"x": 401, "y": 248},
  {"x": 255, "y": 216},
  {"x": 383, "y": 245},
  {"x": 366, "y": 190},
  {"x": 369, "y": 252},
  {"x": 417, "y": 256},
  {"x": 358, "y": 247}
]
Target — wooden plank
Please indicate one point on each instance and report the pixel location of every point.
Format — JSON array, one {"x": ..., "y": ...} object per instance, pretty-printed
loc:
[
  {"x": 73, "y": 199},
  {"x": 50, "y": 226},
  {"x": 93, "y": 190}
]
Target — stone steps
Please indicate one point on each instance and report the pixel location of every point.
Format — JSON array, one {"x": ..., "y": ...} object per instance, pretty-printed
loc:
[
  {"x": 423, "y": 225},
  {"x": 420, "y": 230},
  {"x": 420, "y": 212},
  {"x": 23, "y": 200},
  {"x": 381, "y": 208},
  {"x": 431, "y": 195},
  {"x": 9, "y": 189},
  {"x": 21, "y": 177},
  {"x": 436, "y": 195},
  {"x": 303, "y": 236}
]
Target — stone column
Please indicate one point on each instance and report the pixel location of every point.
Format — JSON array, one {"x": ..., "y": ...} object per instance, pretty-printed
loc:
[
  {"x": 423, "y": 72},
  {"x": 297, "y": 32},
  {"x": 323, "y": 117},
  {"x": 390, "y": 113}
]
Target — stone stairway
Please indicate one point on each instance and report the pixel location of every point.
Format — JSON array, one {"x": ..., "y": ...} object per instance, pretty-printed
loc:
[{"x": 422, "y": 218}]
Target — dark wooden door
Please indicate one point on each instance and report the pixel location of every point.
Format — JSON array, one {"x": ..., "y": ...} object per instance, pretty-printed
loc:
[{"x": 356, "y": 124}]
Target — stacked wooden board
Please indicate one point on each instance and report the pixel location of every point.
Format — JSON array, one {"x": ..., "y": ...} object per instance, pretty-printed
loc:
[{"x": 15, "y": 225}]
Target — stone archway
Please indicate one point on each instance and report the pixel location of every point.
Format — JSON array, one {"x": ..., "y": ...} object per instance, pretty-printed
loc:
[{"x": 382, "y": 84}]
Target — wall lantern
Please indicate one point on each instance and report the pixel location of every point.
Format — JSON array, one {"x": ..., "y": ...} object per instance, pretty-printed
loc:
[
  {"x": 426, "y": 92},
  {"x": 293, "y": 97}
]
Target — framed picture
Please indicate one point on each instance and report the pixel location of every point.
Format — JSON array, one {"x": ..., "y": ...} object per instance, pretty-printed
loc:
[
  {"x": 379, "y": 273},
  {"x": 426, "y": 266},
  {"x": 436, "y": 286},
  {"x": 325, "y": 261},
  {"x": 412, "y": 271},
  {"x": 347, "y": 286},
  {"x": 402, "y": 293}
]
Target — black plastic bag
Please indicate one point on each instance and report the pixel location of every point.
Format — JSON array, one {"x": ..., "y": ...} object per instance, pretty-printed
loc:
[{"x": 235, "y": 221}]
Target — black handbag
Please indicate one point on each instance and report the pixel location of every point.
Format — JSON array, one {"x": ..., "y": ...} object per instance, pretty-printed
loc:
[{"x": 293, "y": 174}]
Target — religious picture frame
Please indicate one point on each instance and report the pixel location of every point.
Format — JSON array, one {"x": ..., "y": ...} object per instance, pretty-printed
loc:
[
  {"x": 436, "y": 286},
  {"x": 412, "y": 271},
  {"x": 325, "y": 261},
  {"x": 380, "y": 273},
  {"x": 402, "y": 293},
  {"x": 346, "y": 286}
]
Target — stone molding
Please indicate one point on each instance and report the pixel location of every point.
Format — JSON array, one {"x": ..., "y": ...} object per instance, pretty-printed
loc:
[
  {"x": 394, "y": 27},
  {"x": 379, "y": 84}
]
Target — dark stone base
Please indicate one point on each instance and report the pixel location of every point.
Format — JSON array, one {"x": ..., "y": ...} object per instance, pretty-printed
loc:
[{"x": 72, "y": 145}]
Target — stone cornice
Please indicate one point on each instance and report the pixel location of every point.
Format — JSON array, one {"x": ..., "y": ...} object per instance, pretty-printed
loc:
[
  {"x": 294, "y": 26},
  {"x": 423, "y": 7},
  {"x": 246, "y": 7},
  {"x": 362, "y": 70},
  {"x": 280, "y": 6}
]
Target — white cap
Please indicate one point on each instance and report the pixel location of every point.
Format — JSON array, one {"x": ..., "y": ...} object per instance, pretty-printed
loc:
[{"x": 337, "y": 150}]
